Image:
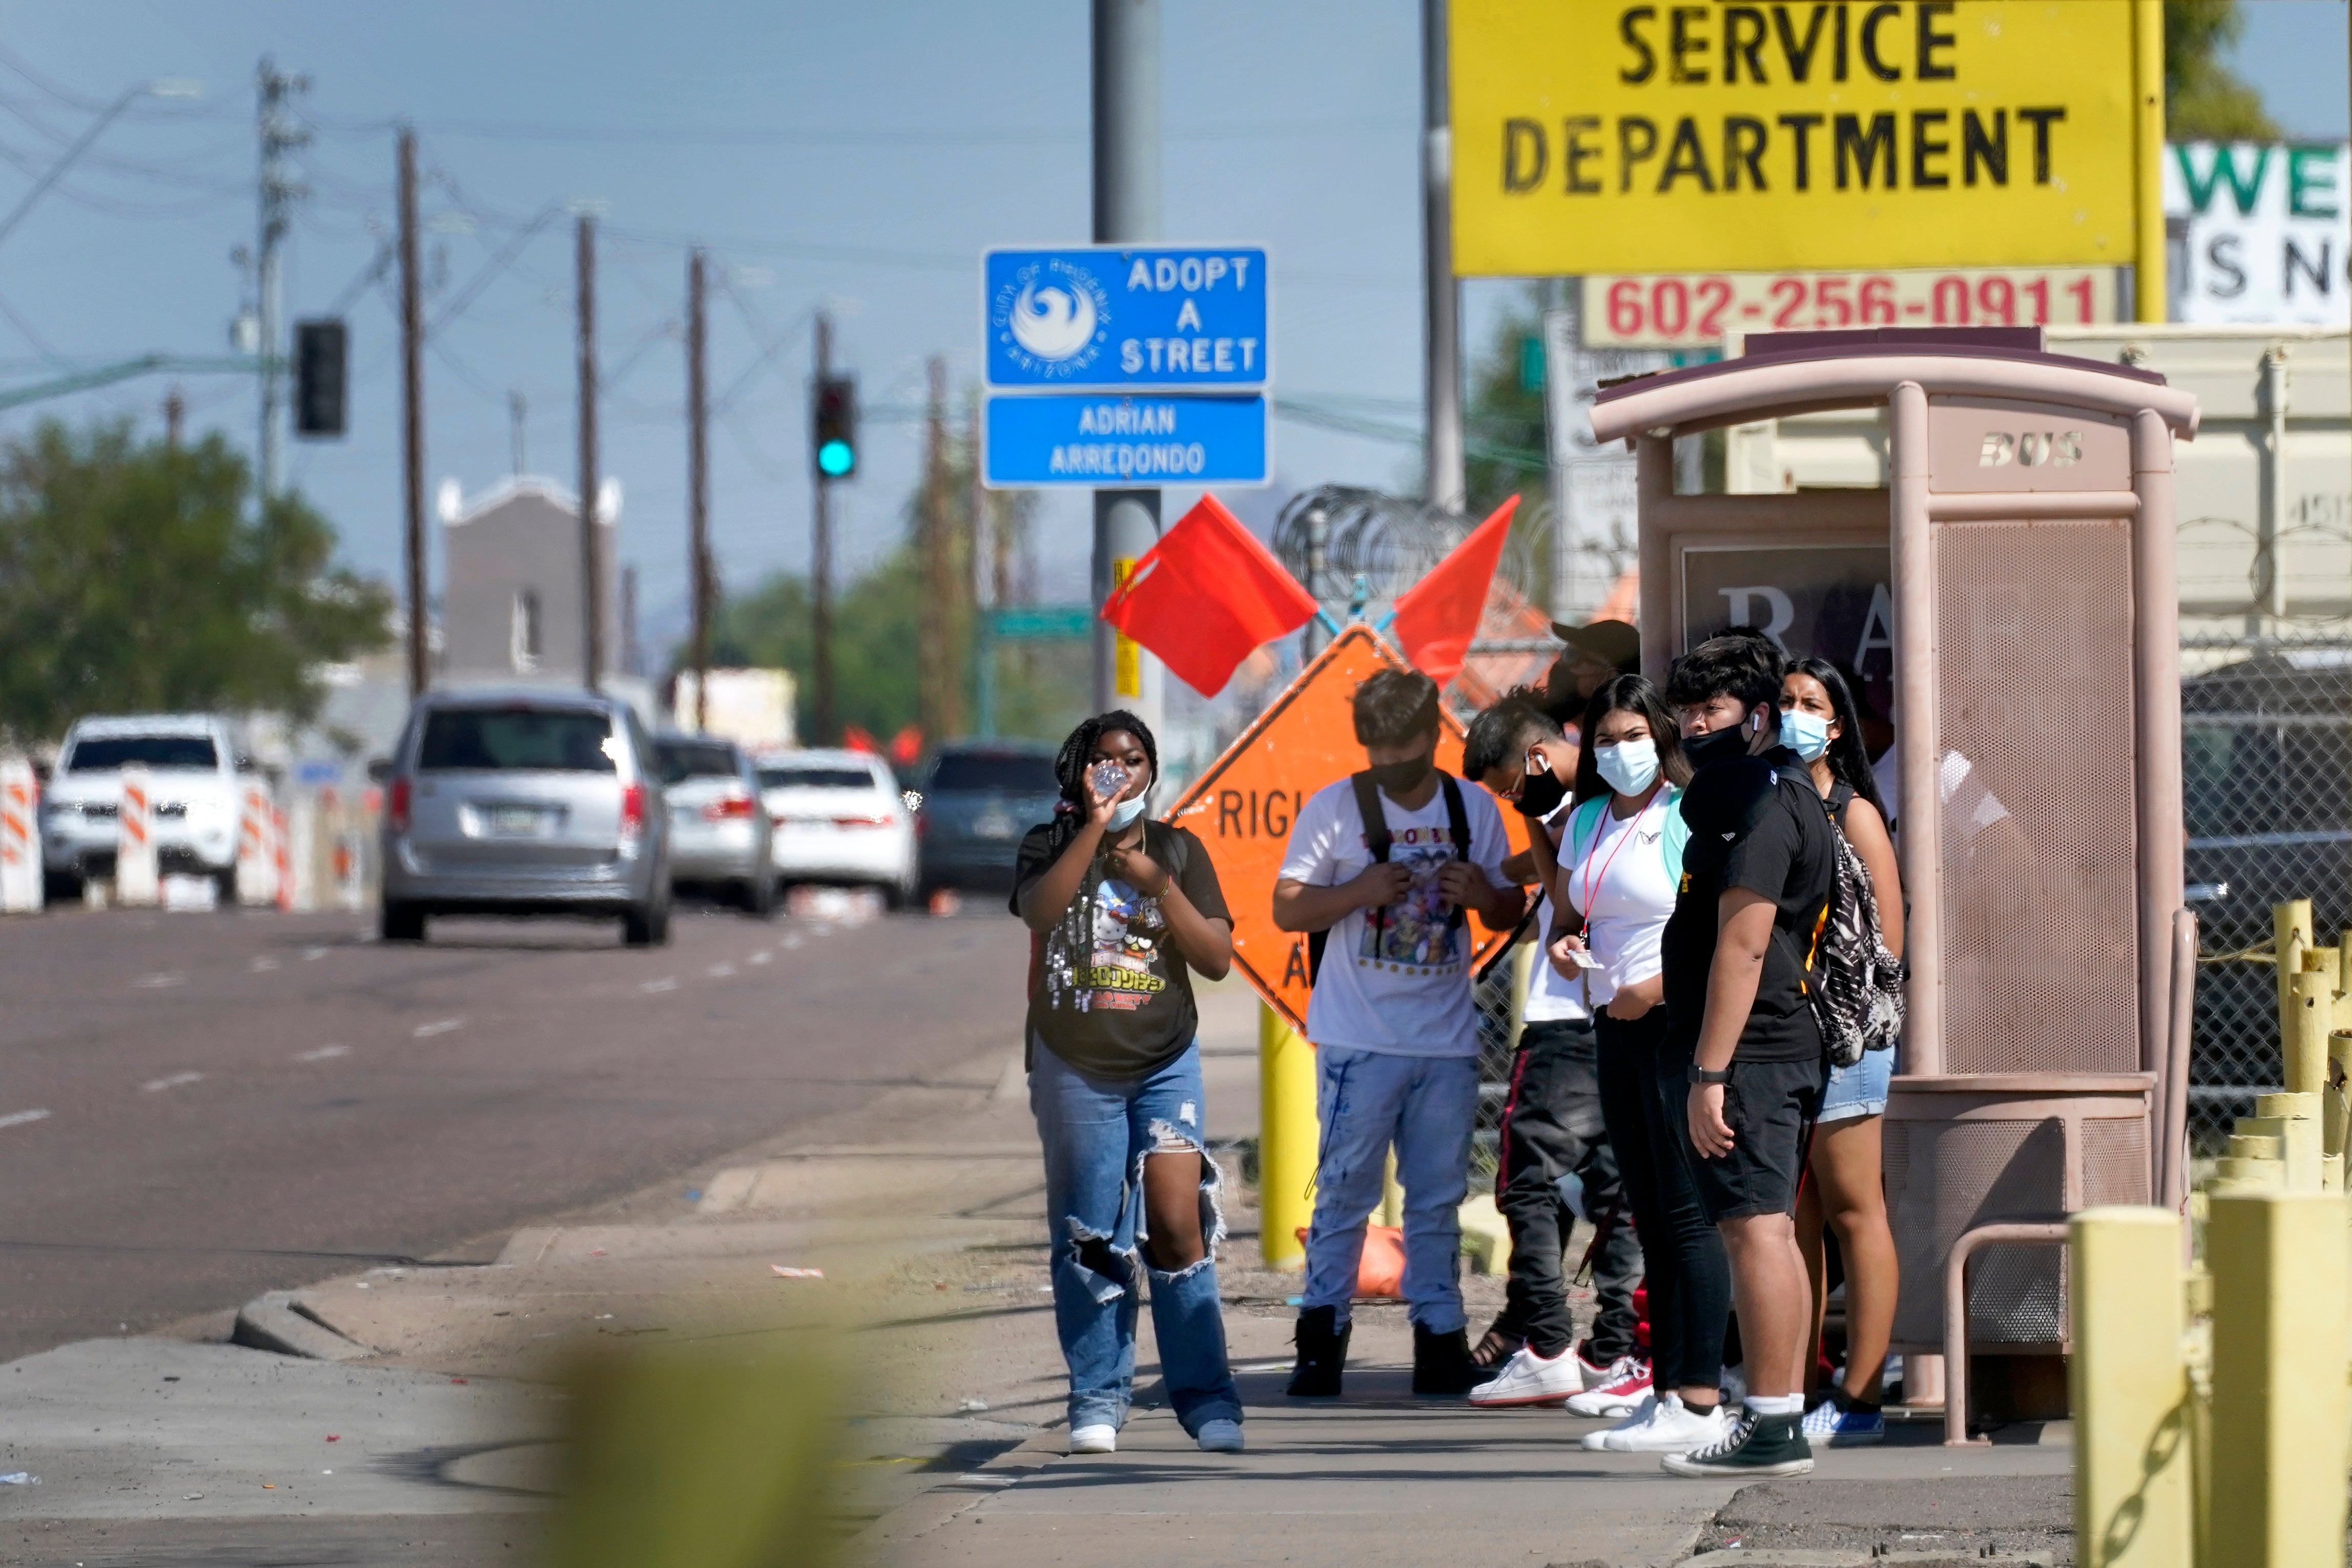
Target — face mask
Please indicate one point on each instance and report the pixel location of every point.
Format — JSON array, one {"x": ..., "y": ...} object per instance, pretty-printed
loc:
[
  {"x": 1706, "y": 750},
  {"x": 1628, "y": 768},
  {"x": 1807, "y": 734},
  {"x": 1541, "y": 794},
  {"x": 1401, "y": 778},
  {"x": 1123, "y": 814}
]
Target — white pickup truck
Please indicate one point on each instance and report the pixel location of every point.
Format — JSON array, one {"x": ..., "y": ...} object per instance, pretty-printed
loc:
[{"x": 193, "y": 761}]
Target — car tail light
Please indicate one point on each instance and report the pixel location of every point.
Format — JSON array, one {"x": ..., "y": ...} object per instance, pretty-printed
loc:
[
  {"x": 399, "y": 805},
  {"x": 861, "y": 822},
  {"x": 633, "y": 810},
  {"x": 733, "y": 807}
]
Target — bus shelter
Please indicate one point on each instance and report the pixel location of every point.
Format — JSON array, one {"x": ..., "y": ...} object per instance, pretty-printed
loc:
[{"x": 2008, "y": 609}]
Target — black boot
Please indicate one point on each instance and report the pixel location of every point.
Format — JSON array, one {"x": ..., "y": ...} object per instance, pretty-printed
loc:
[
  {"x": 1442, "y": 1363},
  {"x": 1322, "y": 1342}
]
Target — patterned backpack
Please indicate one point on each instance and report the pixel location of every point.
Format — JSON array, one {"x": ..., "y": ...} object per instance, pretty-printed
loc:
[{"x": 1855, "y": 984}]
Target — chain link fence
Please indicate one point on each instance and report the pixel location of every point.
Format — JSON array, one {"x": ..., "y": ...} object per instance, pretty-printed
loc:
[{"x": 2267, "y": 743}]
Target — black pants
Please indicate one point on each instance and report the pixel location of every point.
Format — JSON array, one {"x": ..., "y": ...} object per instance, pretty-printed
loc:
[
  {"x": 1552, "y": 1124},
  {"x": 1689, "y": 1276}
]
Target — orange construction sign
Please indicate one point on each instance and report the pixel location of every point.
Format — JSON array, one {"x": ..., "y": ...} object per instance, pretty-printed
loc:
[{"x": 1243, "y": 807}]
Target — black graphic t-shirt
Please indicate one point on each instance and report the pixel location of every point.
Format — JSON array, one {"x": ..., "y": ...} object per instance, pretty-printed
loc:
[
  {"x": 1110, "y": 994},
  {"x": 1756, "y": 823}
]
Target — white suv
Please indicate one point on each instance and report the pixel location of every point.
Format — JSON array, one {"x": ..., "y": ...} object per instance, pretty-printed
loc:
[{"x": 193, "y": 761}]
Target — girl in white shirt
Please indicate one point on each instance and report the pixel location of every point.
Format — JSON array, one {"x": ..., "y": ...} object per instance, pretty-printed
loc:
[{"x": 1619, "y": 861}]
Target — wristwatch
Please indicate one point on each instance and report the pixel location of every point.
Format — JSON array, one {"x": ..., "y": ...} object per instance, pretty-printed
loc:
[{"x": 1699, "y": 1075}]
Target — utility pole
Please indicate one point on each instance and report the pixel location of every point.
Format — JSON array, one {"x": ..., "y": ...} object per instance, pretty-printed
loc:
[
  {"x": 1441, "y": 330},
  {"x": 517, "y": 431},
  {"x": 631, "y": 656},
  {"x": 821, "y": 566},
  {"x": 591, "y": 595},
  {"x": 175, "y": 410},
  {"x": 939, "y": 711},
  {"x": 411, "y": 419},
  {"x": 697, "y": 490},
  {"x": 1126, "y": 212},
  {"x": 281, "y": 134}
]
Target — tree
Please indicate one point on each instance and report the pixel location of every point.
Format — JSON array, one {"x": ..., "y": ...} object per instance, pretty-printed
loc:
[
  {"x": 135, "y": 579},
  {"x": 2204, "y": 100}
]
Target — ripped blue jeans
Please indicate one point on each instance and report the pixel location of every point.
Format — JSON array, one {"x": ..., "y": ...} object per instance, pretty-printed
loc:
[{"x": 1097, "y": 1131}]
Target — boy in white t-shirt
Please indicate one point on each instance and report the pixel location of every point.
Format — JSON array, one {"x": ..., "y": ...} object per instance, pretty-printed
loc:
[{"x": 1386, "y": 865}]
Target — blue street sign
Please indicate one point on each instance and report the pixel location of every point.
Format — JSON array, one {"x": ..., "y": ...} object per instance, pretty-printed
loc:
[
  {"x": 1097, "y": 439},
  {"x": 1160, "y": 317}
]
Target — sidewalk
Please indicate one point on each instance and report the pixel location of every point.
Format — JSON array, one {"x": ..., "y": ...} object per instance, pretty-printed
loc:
[{"x": 924, "y": 1210}]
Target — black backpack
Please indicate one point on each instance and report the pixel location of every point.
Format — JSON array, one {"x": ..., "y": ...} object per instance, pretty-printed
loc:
[
  {"x": 1378, "y": 839},
  {"x": 1855, "y": 984}
]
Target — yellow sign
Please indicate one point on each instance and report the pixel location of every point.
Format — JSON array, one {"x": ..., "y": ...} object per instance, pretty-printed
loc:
[
  {"x": 1126, "y": 654},
  {"x": 1596, "y": 136}
]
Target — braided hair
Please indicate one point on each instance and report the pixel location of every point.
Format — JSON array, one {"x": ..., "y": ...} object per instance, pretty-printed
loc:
[{"x": 1070, "y": 766}]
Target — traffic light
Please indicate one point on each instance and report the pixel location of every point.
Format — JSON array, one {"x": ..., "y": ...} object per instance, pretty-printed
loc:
[
  {"x": 833, "y": 442},
  {"x": 321, "y": 373}
]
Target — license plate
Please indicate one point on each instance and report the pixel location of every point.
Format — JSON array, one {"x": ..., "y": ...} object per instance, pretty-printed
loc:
[
  {"x": 993, "y": 827},
  {"x": 513, "y": 820}
]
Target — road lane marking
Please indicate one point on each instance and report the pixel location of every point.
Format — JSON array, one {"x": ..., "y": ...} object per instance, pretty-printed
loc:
[
  {"x": 263, "y": 966},
  {"x": 721, "y": 971},
  {"x": 668, "y": 982},
  {"x": 18, "y": 1118},
  {"x": 309, "y": 953},
  {"x": 157, "y": 981},
  {"x": 761, "y": 956},
  {"x": 323, "y": 1053},
  {"x": 440, "y": 1027},
  {"x": 178, "y": 1079},
  {"x": 793, "y": 942}
]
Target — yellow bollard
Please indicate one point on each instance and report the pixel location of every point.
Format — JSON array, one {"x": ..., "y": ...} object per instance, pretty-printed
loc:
[
  {"x": 1288, "y": 1139},
  {"x": 2310, "y": 1011},
  {"x": 2335, "y": 1112},
  {"x": 1392, "y": 1210},
  {"x": 2290, "y": 934},
  {"x": 2344, "y": 981},
  {"x": 2133, "y": 1486},
  {"x": 2282, "y": 1411}
]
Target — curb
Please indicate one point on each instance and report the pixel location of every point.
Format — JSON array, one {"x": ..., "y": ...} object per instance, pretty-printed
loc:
[
  {"x": 1788, "y": 1557},
  {"x": 277, "y": 1321}
]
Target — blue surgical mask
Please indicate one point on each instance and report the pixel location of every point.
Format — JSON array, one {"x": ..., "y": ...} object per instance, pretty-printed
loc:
[
  {"x": 1807, "y": 734},
  {"x": 1123, "y": 814},
  {"x": 1630, "y": 767}
]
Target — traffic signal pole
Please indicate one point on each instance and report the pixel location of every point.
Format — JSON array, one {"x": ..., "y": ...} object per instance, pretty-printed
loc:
[
  {"x": 412, "y": 420},
  {"x": 1126, "y": 212},
  {"x": 591, "y": 608},
  {"x": 1441, "y": 330},
  {"x": 820, "y": 717}
]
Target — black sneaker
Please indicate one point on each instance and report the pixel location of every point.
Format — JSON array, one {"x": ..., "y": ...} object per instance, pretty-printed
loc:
[
  {"x": 1756, "y": 1446},
  {"x": 1442, "y": 1363},
  {"x": 1322, "y": 1342}
]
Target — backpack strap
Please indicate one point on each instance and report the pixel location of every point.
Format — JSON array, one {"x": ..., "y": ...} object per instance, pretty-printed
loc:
[
  {"x": 1378, "y": 840},
  {"x": 1457, "y": 828}
]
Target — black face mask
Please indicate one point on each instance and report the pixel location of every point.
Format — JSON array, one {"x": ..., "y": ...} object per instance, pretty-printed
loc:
[
  {"x": 1706, "y": 750},
  {"x": 1541, "y": 794},
  {"x": 1394, "y": 779}
]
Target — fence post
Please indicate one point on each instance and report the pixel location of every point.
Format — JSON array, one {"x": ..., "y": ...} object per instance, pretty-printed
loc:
[
  {"x": 1287, "y": 1135},
  {"x": 2310, "y": 1011},
  {"x": 2335, "y": 1118},
  {"x": 2290, "y": 934},
  {"x": 2282, "y": 1411},
  {"x": 2134, "y": 1484}
]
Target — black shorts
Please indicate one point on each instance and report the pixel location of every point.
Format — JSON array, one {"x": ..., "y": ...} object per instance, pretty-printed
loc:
[{"x": 1771, "y": 1108}]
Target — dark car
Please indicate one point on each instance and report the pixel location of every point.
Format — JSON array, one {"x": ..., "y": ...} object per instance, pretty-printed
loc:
[
  {"x": 978, "y": 798},
  {"x": 2267, "y": 781}
]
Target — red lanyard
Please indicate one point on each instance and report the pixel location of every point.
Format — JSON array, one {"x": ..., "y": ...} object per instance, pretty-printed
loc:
[{"x": 1590, "y": 849}]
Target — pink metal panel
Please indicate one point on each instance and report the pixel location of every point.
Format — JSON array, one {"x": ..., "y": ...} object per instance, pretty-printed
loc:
[
  {"x": 2155, "y": 672},
  {"x": 2033, "y": 633},
  {"x": 1976, "y": 445},
  {"x": 1916, "y": 724}
]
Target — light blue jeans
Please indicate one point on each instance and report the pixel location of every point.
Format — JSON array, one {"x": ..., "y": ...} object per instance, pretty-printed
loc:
[
  {"x": 1426, "y": 1106},
  {"x": 1096, "y": 1134}
]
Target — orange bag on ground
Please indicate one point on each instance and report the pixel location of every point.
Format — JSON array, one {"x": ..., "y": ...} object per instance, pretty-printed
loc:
[{"x": 1381, "y": 1271}]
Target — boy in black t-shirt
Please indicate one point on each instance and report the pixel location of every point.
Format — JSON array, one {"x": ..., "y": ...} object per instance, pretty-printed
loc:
[{"x": 1757, "y": 878}]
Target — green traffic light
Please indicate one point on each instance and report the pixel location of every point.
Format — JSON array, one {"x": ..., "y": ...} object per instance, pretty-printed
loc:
[{"x": 836, "y": 459}]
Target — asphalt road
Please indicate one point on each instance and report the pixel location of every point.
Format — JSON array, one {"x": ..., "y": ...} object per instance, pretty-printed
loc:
[{"x": 196, "y": 1108}]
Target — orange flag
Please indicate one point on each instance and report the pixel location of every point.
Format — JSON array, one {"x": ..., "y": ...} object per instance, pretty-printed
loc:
[{"x": 1437, "y": 616}]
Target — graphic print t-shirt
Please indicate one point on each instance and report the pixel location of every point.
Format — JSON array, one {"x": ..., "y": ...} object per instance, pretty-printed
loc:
[
  {"x": 1396, "y": 979},
  {"x": 1111, "y": 994}
]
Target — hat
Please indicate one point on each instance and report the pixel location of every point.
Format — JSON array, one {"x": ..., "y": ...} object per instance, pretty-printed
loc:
[{"x": 1611, "y": 642}]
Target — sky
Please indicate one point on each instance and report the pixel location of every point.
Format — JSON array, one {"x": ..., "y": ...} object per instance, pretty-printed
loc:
[{"x": 855, "y": 159}]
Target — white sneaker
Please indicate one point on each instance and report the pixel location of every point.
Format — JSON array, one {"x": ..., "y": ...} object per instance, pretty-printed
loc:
[
  {"x": 1598, "y": 1442},
  {"x": 1220, "y": 1436},
  {"x": 1097, "y": 1439},
  {"x": 1627, "y": 1386},
  {"x": 1673, "y": 1427},
  {"x": 1528, "y": 1379}
]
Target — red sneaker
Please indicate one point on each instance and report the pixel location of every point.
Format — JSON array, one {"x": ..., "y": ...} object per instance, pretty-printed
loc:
[{"x": 1624, "y": 1384}]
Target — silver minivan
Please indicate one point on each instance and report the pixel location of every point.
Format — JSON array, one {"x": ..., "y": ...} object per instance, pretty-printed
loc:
[{"x": 525, "y": 803}]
